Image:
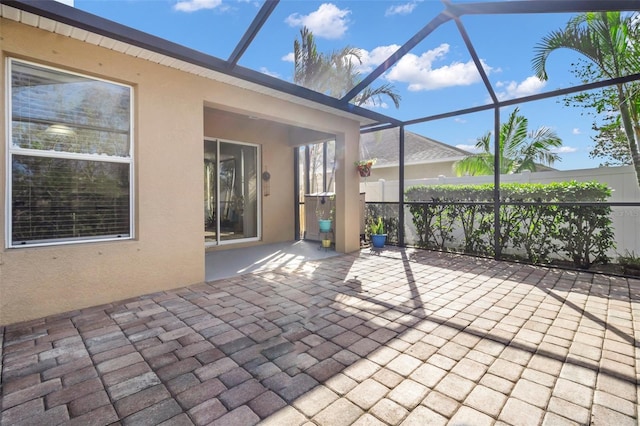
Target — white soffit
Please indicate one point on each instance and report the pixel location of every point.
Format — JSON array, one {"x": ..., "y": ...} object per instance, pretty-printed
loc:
[{"x": 50, "y": 25}]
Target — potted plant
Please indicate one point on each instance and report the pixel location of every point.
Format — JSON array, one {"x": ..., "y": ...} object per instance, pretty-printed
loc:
[
  {"x": 378, "y": 236},
  {"x": 364, "y": 167},
  {"x": 325, "y": 212}
]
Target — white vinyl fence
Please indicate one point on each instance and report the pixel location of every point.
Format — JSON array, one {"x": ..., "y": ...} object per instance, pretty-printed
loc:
[{"x": 622, "y": 180}]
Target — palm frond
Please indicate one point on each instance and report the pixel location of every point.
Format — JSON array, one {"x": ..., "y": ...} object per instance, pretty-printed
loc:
[
  {"x": 375, "y": 94},
  {"x": 474, "y": 165},
  {"x": 519, "y": 150},
  {"x": 573, "y": 38},
  {"x": 334, "y": 74}
]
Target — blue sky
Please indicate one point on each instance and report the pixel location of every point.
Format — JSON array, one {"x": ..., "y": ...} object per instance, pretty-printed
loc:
[{"x": 437, "y": 76}]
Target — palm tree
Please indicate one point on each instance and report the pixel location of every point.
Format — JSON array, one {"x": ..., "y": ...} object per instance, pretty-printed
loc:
[
  {"x": 608, "y": 40},
  {"x": 518, "y": 151},
  {"x": 334, "y": 74},
  {"x": 311, "y": 68}
]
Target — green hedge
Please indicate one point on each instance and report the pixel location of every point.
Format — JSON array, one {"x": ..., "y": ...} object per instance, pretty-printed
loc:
[{"x": 582, "y": 234}]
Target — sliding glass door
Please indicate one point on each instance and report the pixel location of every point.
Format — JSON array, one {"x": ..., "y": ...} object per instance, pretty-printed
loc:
[{"x": 231, "y": 191}]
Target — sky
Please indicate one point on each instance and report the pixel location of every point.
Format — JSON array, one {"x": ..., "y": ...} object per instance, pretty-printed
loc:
[{"x": 437, "y": 76}]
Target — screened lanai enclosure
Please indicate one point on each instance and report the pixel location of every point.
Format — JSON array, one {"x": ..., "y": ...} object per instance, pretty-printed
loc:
[
  {"x": 514, "y": 133},
  {"x": 502, "y": 188}
]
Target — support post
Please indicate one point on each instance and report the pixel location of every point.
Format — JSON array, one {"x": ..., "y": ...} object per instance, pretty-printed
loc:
[
  {"x": 496, "y": 185},
  {"x": 347, "y": 226},
  {"x": 401, "y": 188}
]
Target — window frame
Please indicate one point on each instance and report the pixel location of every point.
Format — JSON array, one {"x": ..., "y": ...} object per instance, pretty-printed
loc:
[
  {"x": 219, "y": 241},
  {"x": 13, "y": 150}
]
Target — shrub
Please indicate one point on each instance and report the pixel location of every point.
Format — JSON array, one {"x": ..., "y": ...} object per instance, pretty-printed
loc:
[
  {"x": 582, "y": 233},
  {"x": 630, "y": 263}
]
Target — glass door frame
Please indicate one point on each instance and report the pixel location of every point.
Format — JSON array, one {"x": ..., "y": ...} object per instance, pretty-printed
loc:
[{"x": 258, "y": 237}]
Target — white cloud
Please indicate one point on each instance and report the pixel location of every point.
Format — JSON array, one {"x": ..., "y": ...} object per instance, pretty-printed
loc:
[
  {"x": 401, "y": 9},
  {"x": 266, "y": 71},
  {"x": 371, "y": 60},
  {"x": 468, "y": 148},
  {"x": 459, "y": 120},
  {"x": 564, "y": 150},
  {"x": 420, "y": 74},
  {"x": 289, "y": 57},
  {"x": 375, "y": 103},
  {"x": 576, "y": 131},
  {"x": 328, "y": 21},
  {"x": 512, "y": 89},
  {"x": 194, "y": 5},
  {"x": 67, "y": 2}
]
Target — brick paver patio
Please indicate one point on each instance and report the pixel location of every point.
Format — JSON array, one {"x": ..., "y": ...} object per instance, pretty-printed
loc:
[{"x": 399, "y": 337}]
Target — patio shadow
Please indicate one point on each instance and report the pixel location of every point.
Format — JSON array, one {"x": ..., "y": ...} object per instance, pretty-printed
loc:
[{"x": 402, "y": 335}]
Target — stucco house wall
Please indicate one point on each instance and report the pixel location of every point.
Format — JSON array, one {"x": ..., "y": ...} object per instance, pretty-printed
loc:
[
  {"x": 173, "y": 112},
  {"x": 424, "y": 157},
  {"x": 277, "y": 159},
  {"x": 413, "y": 171}
]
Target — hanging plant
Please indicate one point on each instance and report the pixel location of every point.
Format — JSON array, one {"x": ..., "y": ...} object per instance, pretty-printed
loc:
[{"x": 364, "y": 167}]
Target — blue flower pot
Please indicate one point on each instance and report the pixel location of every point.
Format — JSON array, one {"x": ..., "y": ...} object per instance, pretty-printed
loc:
[
  {"x": 378, "y": 240},
  {"x": 325, "y": 225}
]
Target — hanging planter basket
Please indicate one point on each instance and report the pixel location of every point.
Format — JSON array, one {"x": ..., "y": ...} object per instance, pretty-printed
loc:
[
  {"x": 364, "y": 167},
  {"x": 364, "y": 171}
]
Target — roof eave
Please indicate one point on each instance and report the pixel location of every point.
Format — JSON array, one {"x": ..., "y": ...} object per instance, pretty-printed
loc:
[
  {"x": 420, "y": 162},
  {"x": 76, "y": 18}
]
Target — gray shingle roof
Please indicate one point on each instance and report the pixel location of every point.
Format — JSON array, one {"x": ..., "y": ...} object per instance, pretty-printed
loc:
[{"x": 383, "y": 146}]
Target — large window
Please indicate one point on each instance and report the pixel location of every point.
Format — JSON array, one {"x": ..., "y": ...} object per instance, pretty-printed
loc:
[{"x": 70, "y": 157}]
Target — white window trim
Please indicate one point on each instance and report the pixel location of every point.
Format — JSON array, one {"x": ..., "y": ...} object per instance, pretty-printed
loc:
[{"x": 12, "y": 150}]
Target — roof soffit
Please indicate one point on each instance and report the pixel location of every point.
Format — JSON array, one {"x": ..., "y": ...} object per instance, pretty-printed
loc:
[
  {"x": 66, "y": 21},
  {"x": 72, "y": 22}
]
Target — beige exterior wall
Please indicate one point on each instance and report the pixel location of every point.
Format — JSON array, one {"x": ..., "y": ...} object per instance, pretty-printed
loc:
[
  {"x": 277, "y": 158},
  {"x": 170, "y": 125},
  {"x": 413, "y": 171}
]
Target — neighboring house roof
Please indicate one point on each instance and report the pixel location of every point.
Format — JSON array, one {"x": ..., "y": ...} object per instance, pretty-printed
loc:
[
  {"x": 383, "y": 146},
  {"x": 543, "y": 168}
]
